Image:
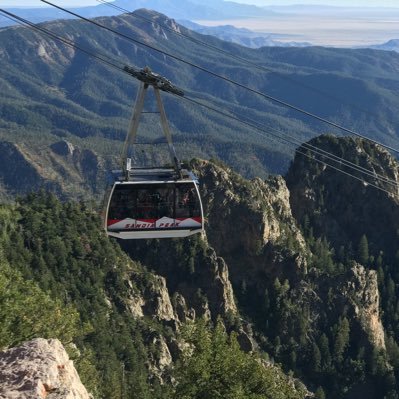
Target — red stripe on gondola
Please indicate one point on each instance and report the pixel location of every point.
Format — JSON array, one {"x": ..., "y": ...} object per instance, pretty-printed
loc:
[
  {"x": 197, "y": 219},
  {"x": 113, "y": 221}
]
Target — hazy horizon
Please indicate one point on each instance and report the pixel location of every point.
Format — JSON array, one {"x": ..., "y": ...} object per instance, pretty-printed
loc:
[
  {"x": 335, "y": 3},
  {"x": 338, "y": 27}
]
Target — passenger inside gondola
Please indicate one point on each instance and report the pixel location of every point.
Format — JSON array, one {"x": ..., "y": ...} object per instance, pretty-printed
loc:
[{"x": 187, "y": 204}]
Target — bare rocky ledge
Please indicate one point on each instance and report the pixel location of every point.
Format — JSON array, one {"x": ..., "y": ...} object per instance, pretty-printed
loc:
[{"x": 39, "y": 369}]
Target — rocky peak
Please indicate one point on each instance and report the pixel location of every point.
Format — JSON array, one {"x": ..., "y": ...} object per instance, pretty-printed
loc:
[
  {"x": 247, "y": 220},
  {"x": 39, "y": 369},
  {"x": 361, "y": 289},
  {"x": 343, "y": 208},
  {"x": 160, "y": 20}
]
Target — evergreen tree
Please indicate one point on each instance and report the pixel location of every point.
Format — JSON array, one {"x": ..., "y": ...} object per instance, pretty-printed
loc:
[
  {"x": 363, "y": 250},
  {"x": 213, "y": 366},
  {"x": 341, "y": 339},
  {"x": 319, "y": 394},
  {"x": 316, "y": 358}
]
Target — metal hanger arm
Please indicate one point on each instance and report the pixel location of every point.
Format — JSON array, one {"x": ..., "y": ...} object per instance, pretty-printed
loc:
[{"x": 134, "y": 123}]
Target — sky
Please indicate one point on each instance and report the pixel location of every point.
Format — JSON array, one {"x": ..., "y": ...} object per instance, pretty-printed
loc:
[
  {"x": 38, "y": 3},
  {"x": 347, "y": 3}
]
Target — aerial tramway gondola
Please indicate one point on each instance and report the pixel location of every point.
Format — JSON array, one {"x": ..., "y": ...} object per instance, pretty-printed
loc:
[{"x": 158, "y": 202}]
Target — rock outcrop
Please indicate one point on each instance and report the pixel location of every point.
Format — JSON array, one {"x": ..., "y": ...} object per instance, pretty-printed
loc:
[
  {"x": 203, "y": 290},
  {"x": 39, "y": 369},
  {"x": 361, "y": 292},
  {"x": 78, "y": 164},
  {"x": 250, "y": 225},
  {"x": 343, "y": 210},
  {"x": 157, "y": 301},
  {"x": 340, "y": 207},
  {"x": 243, "y": 214},
  {"x": 61, "y": 168}
]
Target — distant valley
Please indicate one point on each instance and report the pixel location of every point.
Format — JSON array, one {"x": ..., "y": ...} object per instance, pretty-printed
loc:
[{"x": 242, "y": 36}]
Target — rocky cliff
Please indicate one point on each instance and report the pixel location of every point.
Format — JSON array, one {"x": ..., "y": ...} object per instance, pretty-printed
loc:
[
  {"x": 39, "y": 369},
  {"x": 249, "y": 222},
  {"x": 343, "y": 208},
  {"x": 193, "y": 275}
]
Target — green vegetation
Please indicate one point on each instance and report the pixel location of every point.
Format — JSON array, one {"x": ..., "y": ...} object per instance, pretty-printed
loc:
[
  {"x": 346, "y": 224},
  {"x": 213, "y": 360},
  {"x": 82, "y": 278},
  {"x": 26, "y": 312},
  {"x": 61, "y": 277}
]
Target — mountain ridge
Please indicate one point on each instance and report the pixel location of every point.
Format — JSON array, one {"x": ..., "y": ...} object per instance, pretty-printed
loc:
[
  {"x": 187, "y": 9},
  {"x": 54, "y": 91}
]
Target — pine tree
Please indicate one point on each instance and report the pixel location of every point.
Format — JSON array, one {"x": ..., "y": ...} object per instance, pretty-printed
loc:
[
  {"x": 363, "y": 250},
  {"x": 324, "y": 347},
  {"x": 341, "y": 339},
  {"x": 319, "y": 394},
  {"x": 316, "y": 358}
]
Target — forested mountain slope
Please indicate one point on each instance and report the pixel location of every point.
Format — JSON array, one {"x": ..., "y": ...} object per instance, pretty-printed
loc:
[
  {"x": 326, "y": 313},
  {"x": 132, "y": 332}
]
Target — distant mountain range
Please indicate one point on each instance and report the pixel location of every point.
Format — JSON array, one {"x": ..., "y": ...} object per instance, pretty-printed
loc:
[
  {"x": 244, "y": 37},
  {"x": 248, "y": 38},
  {"x": 184, "y": 9},
  {"x": 391, "y": 45},
  {"x": 188, "y": 10}
]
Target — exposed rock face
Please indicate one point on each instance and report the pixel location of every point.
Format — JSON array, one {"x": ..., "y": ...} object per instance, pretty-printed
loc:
[
  {"x": 249, "y": 223},
  {"x": 354, "y": 294},
  {"x": 245, "y": 214},
  {"x": 183, "y": 313},
  {"x": 61, "y": 168},
  {"x": 159, "y": 21},
  {"x": 162, "y": 359},
  {"x": 344, "y": 209},
  {"x": 361, "y": 290},
  {"x": 85, "y": 162},
  {"x": 17, "y": 171},
  {"x": 39, "y": 369},
  {"x": 204, "y": 291},
  {"x": 63, "y": 148},
  {"x": 152, "y": 300},
  {"x": 157, "y": 301}
]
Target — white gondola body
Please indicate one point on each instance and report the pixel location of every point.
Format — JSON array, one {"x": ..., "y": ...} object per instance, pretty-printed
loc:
[{"x": 152, "y": 204}]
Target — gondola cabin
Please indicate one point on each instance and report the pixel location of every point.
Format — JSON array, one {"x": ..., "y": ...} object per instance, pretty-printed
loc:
[{"x": 154, "y": 204}]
